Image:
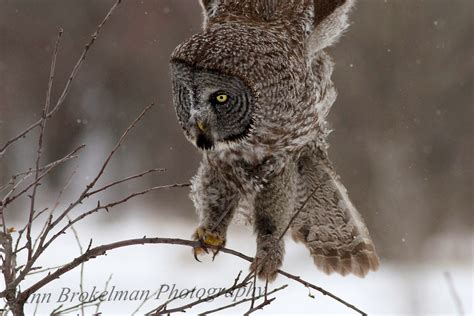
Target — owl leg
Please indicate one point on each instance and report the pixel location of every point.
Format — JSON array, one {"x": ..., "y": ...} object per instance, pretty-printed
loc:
[
  {"x": 215, "y": 200},
  {"x": 273, "y": 206}
]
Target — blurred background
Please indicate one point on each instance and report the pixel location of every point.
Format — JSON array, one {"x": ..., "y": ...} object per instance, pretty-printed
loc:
[{"x": 403, "y": 120}]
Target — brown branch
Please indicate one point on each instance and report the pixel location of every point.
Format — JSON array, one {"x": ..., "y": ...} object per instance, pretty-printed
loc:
[
  {"x": 109, "y": 206},
  {"x": 299, "y": 280},
  {"x": 26, "y": 174},
  {"x": 40, "y": 144},
  {"x": 160, "y": 187},
  {"x": 124, "y": 180},
  {"x": 8, "y": 264},
  {"x": 81, "y": 251},
  {"x": 67, "y": 87},
  {"x": 102, "y": 250},
  {"x": 254, "y": 285},
  {"x": 50, "y": 225},
  {"x": 42, "y": 243},
  {"x": 117, "y": 146},
  {"x": 160, "y": 309},
  {"x": 105, "y": 289},
  {"x": 242, "y": 301},
  {"x": 183, "y": 308},
  {"x": 7, "y": 200},
  {"x": 260, "y": 306}
]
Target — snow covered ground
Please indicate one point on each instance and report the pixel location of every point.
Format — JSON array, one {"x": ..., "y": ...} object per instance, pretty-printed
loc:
[{"x": 164, "y": 270}]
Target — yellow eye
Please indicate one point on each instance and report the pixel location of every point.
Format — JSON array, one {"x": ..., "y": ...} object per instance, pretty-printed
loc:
[{"x": 222, "y": 98}]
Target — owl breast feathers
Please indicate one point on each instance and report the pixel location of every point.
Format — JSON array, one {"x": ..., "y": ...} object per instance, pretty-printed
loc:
[{"x": 252, "y": 92}]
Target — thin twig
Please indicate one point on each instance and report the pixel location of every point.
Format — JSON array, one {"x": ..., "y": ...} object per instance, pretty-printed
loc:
[
  {"x": 43, "y": 244},
  {"x": 81, "y": 251},
  {"x": 67, "y": 87},
  {"x": 229, "y": 290},
  {"x": 124, "y": 180},
  {"x": 109, "y": 206},
  {"x": 94, "y": 301},
  {"x": 117, "y": 146},
  {"x": 83, "y": 195},
  {"x": 38, "y": 271},
  {"x": 56, "y": 203},
  {"x": 454, "y": 293},
  {"x": 7, "y": 199},
  {"x": 39, "y": 152},
  {"x": 254, "y": 285},
  {"x": 102, "y": 250},
  {"x": 105, "y": 289},
  {"x": 26, "y": 174},
  {"x": 242, "y": 301},
  {"x": 299, "y": 280}
]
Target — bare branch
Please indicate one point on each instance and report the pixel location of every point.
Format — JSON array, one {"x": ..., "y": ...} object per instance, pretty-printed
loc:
[
  {"x": 67, "y": 87},
  {"x": 102, "y": 250},
  {"x": 26, "y": 174},
  {"x": 40, "y": 144},
  {"x": 260, "y": 306},
  {"x": 242, "y": 301},
  {"x": 81, "y": 251},
  {"x": 162, "y": 309},
  {"x": 40, "y": 270},
  {"x": 52, "y": 224},
  {"x": 454, "y": 293},
  {"x": 160, "y": 187},
  {"x": 109, "y": 206},
  {"x": 117, "y": 146},
  {"x": 7, "y": 200},
  {"x": 124, "y": 180},
  {"x": 299, "y": 280},
  {"x": 105, "y": 288}
]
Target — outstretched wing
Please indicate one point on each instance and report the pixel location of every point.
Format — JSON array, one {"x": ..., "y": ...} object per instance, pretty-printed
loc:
[{"x": 329, "y": 224}]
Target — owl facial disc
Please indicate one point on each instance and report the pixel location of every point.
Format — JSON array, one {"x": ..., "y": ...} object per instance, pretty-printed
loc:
[{"x": 214, "y": 109}]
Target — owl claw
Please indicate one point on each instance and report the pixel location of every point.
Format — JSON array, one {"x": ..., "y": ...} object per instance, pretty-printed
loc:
[
  {"x": 196, "y": 257},
  {"x": 207, "y": 240},
  {"x": 268, "y": 259},
  {"x": 199, "y": 250},
  {"x": 216, "y": 251}
]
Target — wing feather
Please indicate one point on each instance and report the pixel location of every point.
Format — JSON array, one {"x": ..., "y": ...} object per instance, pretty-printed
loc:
[{"x": 329, "y": 224}]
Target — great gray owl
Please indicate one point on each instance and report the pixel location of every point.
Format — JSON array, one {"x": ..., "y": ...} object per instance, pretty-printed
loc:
[{"x": 252, "y": 91}]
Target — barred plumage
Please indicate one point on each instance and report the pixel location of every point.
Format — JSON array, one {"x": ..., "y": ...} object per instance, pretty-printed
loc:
[{"x": 253, "y": 90}]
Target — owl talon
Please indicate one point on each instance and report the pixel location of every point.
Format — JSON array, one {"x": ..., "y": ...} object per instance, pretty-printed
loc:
[
  {"x": 215, "y": 252},
  {"x": 207, "y": 240},
  {"x": 268, "y": 259},
  {"x": 196, "y": 252}
]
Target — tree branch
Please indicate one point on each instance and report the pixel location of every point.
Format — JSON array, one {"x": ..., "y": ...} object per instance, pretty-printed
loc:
[
  {"x": 40, "y": 145},
  {"x": 67, "y": 87},
  {"x": 243, "y": 301},
  {"x": 102, "y": 250}
]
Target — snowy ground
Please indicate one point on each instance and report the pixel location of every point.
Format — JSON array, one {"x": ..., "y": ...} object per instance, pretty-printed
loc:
[{"x": 397, "y": 289}]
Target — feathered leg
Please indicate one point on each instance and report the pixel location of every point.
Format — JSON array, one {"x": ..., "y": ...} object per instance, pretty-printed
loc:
[
  {"x": 273, "y": 206},
  {"x": 215, "y": 200}
]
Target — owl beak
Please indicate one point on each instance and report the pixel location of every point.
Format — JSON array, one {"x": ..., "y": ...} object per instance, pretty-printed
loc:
[
  {"x": 202, "y": 126},
  {"x": 203, "y": 139}
]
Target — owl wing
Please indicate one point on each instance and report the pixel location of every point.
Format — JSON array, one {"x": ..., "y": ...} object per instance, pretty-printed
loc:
[{"x": 328, "y": 223}]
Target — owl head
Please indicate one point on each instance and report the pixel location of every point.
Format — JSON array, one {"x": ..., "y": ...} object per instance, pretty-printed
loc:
[{"x": 256, "y": 74}]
